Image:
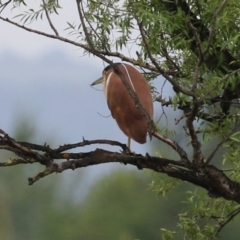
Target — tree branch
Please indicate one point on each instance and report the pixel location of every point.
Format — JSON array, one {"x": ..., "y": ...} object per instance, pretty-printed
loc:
[{"x": 215, "y": 181}]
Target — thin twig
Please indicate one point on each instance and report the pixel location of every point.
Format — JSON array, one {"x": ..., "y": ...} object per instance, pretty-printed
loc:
[
  {"x": 90, "y": 25},
  {"x": 196, "y": 74},
  {"x": 90, "y": 142},
  {"x": 15, "y": 161},
  {"x": 198, "y": 41},
  {"x": 176, "y": 86},
  {"x": 223, "y": 80},
  {"x": 4, "y": 5},
  {"x": 169, "y": 58},
  {"x": 174, "y": 145},
  {"x": 49, "y": 19},
  {"x": 212, "y": 26},
  {"x": 177, "y": 120},
  {"x": 217, "y": 147},
  {"x": 86, "y": 33},
  {"x": 237, "y": 211}
]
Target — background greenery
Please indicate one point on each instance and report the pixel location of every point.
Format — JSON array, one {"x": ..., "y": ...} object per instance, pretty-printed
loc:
[{"x": 122, "y": 205}]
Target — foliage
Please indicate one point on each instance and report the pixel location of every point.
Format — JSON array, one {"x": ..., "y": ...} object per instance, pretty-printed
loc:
[{"x": 194, "y": 46}]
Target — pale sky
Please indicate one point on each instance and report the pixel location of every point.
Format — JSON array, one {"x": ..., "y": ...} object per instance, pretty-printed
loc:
[{"x": 29, "y": 44}]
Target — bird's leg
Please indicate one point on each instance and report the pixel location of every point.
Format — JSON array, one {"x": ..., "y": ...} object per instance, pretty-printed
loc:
[{"x": 129, "y": 143}]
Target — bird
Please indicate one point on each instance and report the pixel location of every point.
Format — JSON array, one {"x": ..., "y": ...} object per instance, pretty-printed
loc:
[{"x": 121, "y": 105}]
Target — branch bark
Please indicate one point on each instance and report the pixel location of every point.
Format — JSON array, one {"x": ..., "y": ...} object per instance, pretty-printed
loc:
[{"x": 215, "y": 181}]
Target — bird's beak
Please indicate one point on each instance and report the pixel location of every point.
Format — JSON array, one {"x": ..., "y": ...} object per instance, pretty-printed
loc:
[{"x": 98, "y": 81}]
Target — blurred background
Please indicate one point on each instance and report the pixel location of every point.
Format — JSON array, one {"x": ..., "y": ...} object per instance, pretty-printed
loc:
[{"x": 45, "y": 97}]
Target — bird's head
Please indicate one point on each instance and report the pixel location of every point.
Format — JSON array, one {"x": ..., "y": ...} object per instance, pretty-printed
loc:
[{"x": 106, "y": 71}]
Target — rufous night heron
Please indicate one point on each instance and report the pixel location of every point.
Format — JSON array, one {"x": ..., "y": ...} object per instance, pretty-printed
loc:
[{"x": 129, "y": 118}]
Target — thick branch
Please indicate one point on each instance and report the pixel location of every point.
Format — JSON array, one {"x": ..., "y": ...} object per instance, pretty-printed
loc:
[
  {"x": 213, "y": 180},
  {"x": 206, "y": 176}
]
